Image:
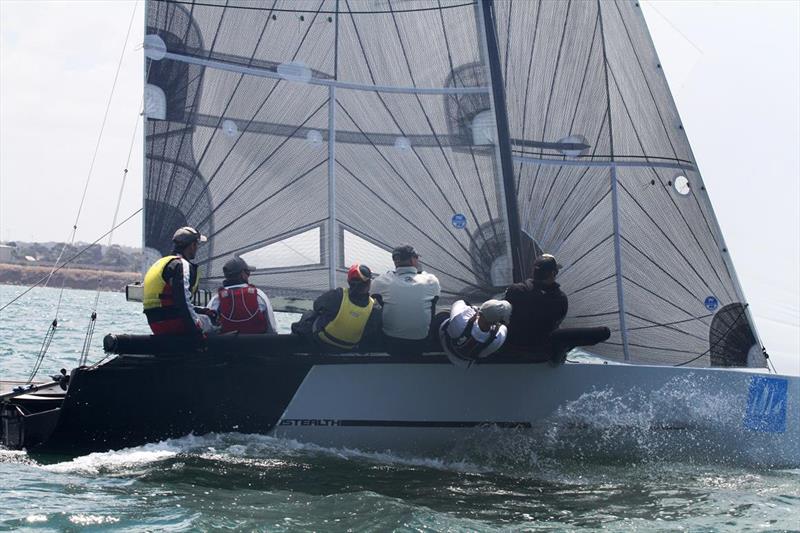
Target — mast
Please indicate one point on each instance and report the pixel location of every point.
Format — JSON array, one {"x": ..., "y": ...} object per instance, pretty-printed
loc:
[
  {"x": 332, "y": 233},
  {"x": 503, "y": 145}
]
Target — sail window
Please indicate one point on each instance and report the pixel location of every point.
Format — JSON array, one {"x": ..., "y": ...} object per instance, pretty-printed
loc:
[
  {"x": 298, "y": 250},
  {"x": 314, "y": 138},
  {"x": 483, "y": 128},
  {"x": 229, "y": 128},
  {"x": 575, "y": 145},
  {"x": 681, "y": 184},
  {"x": 154, "y": 47},
  {"x": 295, "y": 71},
  {"x": 402, "y": 144},
  {"x": 155, "y": 102},
  {"x": 359, "y": 250}
]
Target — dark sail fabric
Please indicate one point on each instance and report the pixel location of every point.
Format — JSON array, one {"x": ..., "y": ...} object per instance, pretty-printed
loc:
[
  {"x": 240, "y": 144},
  {"x": 624, "y": 207}
]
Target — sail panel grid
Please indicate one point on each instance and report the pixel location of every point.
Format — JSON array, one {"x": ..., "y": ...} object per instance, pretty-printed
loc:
[
  {"x": 593, "y": 124},
  {"x": 272, "y": 105}
]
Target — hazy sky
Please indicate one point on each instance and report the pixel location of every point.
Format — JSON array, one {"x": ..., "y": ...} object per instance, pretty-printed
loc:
[{"x": 733, "y": 67}]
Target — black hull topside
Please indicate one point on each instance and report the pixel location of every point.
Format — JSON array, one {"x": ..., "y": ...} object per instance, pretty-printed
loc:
[{"x": 164, "y": 387}]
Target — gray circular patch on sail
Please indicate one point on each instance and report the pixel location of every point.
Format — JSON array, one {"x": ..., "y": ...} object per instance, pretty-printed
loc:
[
  {"x": 154, "y": 47},
  {"x": 681, "y": 184},
  {"x": 580, "y": 142},
  {"x": 402, "y": 144},
  {"x": 314, "y": 138},
  {"x": 229, "y": 128}
]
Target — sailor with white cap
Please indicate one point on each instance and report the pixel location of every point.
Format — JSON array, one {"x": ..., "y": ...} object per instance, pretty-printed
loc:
[{"x": 472, "y": 333}]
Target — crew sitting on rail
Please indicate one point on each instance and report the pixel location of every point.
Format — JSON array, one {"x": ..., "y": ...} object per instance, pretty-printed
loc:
[
  {"x": 169, "y": 286},
  {"x": 473, "y": 333},
  {"x": 408, "y": 297},
  {"x": 343, "y": 318},
  {"x": 240, "y": 306},
  {"x": 539, "y": 306}
]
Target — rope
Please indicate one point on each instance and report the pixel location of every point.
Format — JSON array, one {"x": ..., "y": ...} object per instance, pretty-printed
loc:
[
  {"x": 70, "y": 260},
  {"x": 48, "y": 338}
]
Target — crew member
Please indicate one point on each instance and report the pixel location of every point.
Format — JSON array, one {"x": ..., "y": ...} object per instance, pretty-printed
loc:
[
  {"x": 169, "y": 286},
  {"x": 408, "y": 296},
  {"x": 239, "y": 305},
  {"x": 472, "y": 333},
  {"x": 344, "y": 318},
  {"x": 539, "y": 305}
]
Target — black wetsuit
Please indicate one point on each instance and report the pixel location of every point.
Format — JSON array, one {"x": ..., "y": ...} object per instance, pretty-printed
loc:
[{"x": 536, "y": 311}]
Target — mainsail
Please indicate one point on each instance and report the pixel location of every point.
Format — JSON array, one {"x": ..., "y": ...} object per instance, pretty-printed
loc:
[{"x": 305, "y": 135}]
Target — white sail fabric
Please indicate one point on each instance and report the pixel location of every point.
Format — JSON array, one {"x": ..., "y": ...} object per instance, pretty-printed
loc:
[
  {"x": 587, "y": 72},
  {"x": 255, "y": 91}
]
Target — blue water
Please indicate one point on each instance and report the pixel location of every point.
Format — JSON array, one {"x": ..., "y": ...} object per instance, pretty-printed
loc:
[{"x": 256, "y": 483}]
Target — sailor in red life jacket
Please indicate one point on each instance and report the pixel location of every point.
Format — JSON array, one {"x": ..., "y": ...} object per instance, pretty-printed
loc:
[
  {"x": 169, "y": 286},
  {"x": 472, "y": 333},
  {"x": 240, "y": 306}
]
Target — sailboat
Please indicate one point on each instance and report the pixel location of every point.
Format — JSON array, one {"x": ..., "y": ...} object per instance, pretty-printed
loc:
[{"x": 306, "y": 135}]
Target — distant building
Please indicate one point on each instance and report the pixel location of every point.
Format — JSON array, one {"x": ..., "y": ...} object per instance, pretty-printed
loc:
[{"x": 6, "y": 253}]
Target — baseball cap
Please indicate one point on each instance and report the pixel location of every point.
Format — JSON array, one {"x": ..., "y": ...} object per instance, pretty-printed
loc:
[
  {"x": 544, "y": 265},
  {"x": 187, "y": 235},
  {"x": 496, "y": 311},
  {"x": 404, "y": 252},
  {"x": 234, "y": 267},
  {"x": 359, "y": 273}
]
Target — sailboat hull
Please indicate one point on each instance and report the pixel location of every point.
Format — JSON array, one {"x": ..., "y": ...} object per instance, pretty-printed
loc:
[{"x": 431, "y": 407}]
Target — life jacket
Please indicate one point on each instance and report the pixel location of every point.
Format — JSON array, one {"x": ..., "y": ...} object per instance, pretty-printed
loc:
[
  {"x": 347, "y": 327},
  {"x": 465, "y": 346},
  {"x": 157, "y": 292},
  {"x": 239, "y": 311}
]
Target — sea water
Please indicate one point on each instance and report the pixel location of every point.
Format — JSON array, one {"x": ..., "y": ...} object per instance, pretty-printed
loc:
[{"x": 257, "y": 483}]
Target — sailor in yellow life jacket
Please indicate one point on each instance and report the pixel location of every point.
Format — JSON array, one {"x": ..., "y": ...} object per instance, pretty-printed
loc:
[
  {"x": 344, "y": 317},
  {"x": 169, "y": 286}
]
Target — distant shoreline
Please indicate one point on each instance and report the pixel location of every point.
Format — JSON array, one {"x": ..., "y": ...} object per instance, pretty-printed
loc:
[{"x": 73, "y": 278}]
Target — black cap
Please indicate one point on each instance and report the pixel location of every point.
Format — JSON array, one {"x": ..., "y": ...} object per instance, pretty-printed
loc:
[
  {"x": 404, "y": 252},
  {"x": 544, "y": 265},
  {"x": 233, "y": 267},
  {"x": 187, "y": 235}
]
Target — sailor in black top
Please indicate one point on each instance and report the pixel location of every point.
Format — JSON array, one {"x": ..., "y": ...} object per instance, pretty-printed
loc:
[{"x": 538, "y": 305}]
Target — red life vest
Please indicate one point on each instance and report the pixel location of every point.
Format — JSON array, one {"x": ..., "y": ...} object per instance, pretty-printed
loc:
[{"x": 238, "y": 310}]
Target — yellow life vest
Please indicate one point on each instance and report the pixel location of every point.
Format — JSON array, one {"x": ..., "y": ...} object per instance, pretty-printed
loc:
[
  {"x": 346, "y": 329},
  {"x": 157, "y": 292}
]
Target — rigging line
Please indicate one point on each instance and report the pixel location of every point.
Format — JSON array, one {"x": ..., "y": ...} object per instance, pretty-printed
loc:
[
  {"x": 413, "y": 225},
  {"x": 408, "y": 186},
  {"x": 273, "y": 239},
  {"x": 251, "y": 120},
  {"x": 471, "y": 150},
  {"x": 48, "y": 338},
  {"x": 649, "y": 160},
  {"x": 550, "y": 95},
  {"x": 260, "y": 165},
  {"x": 189, "y": 112},
  {"x": 216, "y": 128},
  {"x": 672, "y": 200},
  {"x": 508, "y": 42},
  {"x": 650, "y": 347},
  {"x": 400, "y": 129},
  {"x": 586, "y": 215},
  {"x": 158, "y": 220},
  {"x": 586, "y": 253},
  {"x": 527, "y": 86},
  {"x": 69, "y": 260},
  {"x": 660, "y": 297},
  {"x": 667, "y": 237},
  {"x": 665, "y": 324},
  {"x": 612, "y": 276},
  {"x": 693, "y": 295},
  {"x": 674, "y": 27},
  {"x": 272, "y": 195},
  {"x": 283, "y": 10}
]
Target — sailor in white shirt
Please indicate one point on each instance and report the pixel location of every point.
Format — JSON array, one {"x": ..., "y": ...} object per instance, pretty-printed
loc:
[
  {"x": 472, "y": 333},
  {"x": 408, "y": 297}
]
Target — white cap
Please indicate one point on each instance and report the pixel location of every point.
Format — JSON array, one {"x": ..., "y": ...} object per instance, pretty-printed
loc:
[{"x": 496, "y": 311}]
